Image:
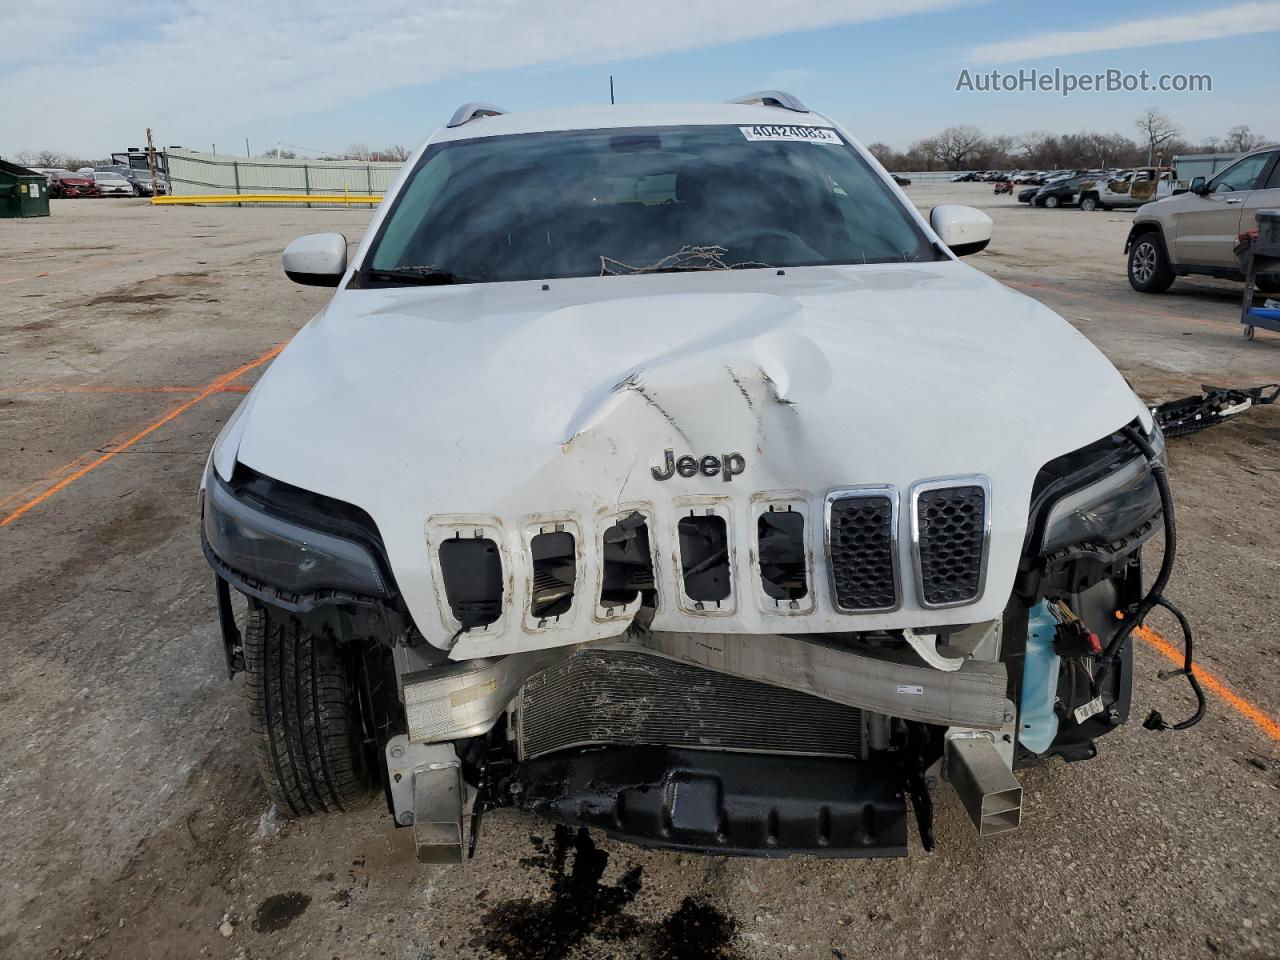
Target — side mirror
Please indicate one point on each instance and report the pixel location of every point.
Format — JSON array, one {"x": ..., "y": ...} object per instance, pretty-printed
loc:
[
  {"x": 964, "y": 230},
  {"x": 1199, "y": 186},
  {"x": 316, "y": 260}
]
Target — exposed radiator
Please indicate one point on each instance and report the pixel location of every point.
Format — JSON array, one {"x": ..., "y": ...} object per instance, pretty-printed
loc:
[{"x": 627, "y": 697}]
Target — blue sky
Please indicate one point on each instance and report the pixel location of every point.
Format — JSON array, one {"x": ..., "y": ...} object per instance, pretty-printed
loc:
[{"x": 323, "y": 74}]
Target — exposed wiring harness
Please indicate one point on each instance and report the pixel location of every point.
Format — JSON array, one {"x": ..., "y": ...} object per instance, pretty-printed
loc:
[{"x": 1155, "y": 598}]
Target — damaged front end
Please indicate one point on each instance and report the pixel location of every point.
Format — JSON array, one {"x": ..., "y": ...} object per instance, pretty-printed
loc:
[
  {"x": 672, "y": 720},
  {"x": 743, "y": 560},
  {"x": 778, "y": 744}
]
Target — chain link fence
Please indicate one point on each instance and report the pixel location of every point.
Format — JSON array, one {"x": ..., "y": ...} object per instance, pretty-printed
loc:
[{"x": 206, "y": 174}]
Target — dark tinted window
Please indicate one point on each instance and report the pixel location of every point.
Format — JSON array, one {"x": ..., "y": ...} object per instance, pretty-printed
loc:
[
  {"x": 1241, "y": 175},
  {"x": 1273, "y": 181},
  {"x": 604, "y": 202}
]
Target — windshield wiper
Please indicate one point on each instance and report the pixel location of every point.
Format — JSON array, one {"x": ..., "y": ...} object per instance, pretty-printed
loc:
[{"x": 423, "y": 276}]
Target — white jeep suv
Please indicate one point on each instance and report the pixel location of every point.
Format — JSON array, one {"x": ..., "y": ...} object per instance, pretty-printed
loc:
[{"x": 661, "y": 469}]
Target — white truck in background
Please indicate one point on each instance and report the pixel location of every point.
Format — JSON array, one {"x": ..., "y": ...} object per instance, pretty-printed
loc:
[{"x": 1131, "y": 189}]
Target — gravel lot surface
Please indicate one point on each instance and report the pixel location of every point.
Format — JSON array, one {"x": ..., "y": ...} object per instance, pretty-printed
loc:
[{"x": 132, "y": 822}]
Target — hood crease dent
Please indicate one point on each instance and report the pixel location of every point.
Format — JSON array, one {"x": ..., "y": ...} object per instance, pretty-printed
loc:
[{"x": 507, "y": 402}]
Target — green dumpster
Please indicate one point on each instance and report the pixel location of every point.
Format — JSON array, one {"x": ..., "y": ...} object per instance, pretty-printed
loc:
[{"x": 23, "y": 192}]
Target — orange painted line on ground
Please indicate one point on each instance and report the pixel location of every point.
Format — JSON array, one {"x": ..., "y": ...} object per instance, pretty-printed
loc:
[
  {"x": 1159, "y": 314},
  {"x": 58, "y": 473},
  {"x": 1260, "y": 718},
  {"x": 214, "y": 387},
  {"x": 53, "y": 388}
]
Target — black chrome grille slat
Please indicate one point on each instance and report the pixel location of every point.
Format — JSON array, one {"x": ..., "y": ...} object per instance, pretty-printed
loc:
[
  {"x": 862, "y": 549},
  {"x": 951, "y": 542}
]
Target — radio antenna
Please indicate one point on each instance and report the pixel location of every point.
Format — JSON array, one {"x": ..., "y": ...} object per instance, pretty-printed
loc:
[{"x": 611, "y": 89}]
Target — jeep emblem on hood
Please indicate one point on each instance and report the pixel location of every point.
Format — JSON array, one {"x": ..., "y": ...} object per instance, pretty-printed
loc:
[{"x": 727, "y": 465}]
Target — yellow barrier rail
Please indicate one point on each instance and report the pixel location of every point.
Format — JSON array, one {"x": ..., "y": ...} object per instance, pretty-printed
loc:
[{"x": 223, "y": 198}]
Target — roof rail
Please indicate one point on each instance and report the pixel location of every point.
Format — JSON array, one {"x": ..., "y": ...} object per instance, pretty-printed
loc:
[
  {"x": 472, "y": 111},
  {"x": 773, "y": 98}
]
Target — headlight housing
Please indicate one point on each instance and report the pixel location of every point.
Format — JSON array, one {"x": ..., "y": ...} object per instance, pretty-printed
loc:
[
  {"x": 1109, "y": 495},
  {"x": 258, "y": 539}
]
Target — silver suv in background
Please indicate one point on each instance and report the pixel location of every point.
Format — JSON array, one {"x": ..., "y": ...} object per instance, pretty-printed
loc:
[{"x": 1195, "y": 231}]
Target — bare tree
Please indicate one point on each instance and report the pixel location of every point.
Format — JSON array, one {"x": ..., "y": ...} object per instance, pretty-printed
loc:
[
  {"x": 358, "y": 151},
  {"x": 882, "y": 152},
  {"x": 1240, "y": 139},
  {"x": 41, "y": 158},
  {"x": 1158, "y": 130},
  {"x": 396, "y": 153},
  {"x": 956, "y": 145}
]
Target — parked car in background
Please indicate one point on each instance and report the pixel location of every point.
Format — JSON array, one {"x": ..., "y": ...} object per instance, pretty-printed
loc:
[
  {"x": 1059, "y": 193},
  {"x": 969, "y": 177},
  {"x": 1027, "y": 194},
  {"x": 64, "y": 183},
  {"x": 141, "y": 180},
  {"x": 112, "y": 184},
  {"x": 1195, "y": 231},
  {"x": 151, "y": 186},
  {"x": 1131, "y": 188},
  {"x": 900, "y": 181}
]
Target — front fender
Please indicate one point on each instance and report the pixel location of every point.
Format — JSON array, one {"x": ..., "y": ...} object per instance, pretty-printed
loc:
[{"x": 1145, "y": 226}]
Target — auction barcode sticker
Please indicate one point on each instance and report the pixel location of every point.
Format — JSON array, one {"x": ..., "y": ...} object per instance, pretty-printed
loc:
[{"x": 768, "y": 131}]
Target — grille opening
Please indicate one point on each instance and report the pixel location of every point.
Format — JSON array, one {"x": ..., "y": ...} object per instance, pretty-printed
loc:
[
  {"x": 628, "y": 563},
  {"x": 555, "y": 568},
  {"x": 780, "y": 536},
  {"x": 704, "y": 558},
  {"x": 952, "y": 530},
  {"x": 862, "y": 553},
  {"x": 472, "y": 571}
]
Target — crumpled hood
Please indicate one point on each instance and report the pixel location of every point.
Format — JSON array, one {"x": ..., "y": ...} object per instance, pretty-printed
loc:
[{"x": 509, "y": 400}]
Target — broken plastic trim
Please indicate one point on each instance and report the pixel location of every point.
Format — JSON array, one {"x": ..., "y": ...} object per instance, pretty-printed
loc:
[
  {"x": 780, "y": 536},
  {"x": 554, "y": 573},
  {"x": 704, "y": 558},
  {"x": 627, "y": 562},
  {"x": 472, "y": 572},
  {"x": 1177, "y": 418}
]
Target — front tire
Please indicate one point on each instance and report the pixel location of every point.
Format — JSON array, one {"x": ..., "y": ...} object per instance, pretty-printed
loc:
[
  {"x": 1089, "y": 203},
  {"x": 1149, "y": 270},
  {"x": 304, "y": 718},
  {"x": 1050, "y": 202}
]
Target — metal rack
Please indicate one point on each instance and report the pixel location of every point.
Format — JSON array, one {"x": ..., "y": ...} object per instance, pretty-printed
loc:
[{"x": 1261, "y": 257}]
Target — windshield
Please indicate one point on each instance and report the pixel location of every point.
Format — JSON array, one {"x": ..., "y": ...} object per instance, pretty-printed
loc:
[
  {"x": 610, "y": 202},
  {"x": 107, "y": 176}
]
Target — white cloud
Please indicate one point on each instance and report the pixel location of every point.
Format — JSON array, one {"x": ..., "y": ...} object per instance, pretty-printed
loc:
[
  {"x": 229, "y": 62},
  {"x": 1233, "y": 21}
]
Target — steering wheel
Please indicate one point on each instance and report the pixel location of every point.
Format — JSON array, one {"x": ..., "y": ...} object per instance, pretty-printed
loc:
[{"x": 756, "y": 234}]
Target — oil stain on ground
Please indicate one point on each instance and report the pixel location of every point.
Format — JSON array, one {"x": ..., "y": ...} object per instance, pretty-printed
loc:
[
  {"x": 696, "y": 931},
  {"x": 278, "y": 911},
  {"x": 579, "y": 906}
]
